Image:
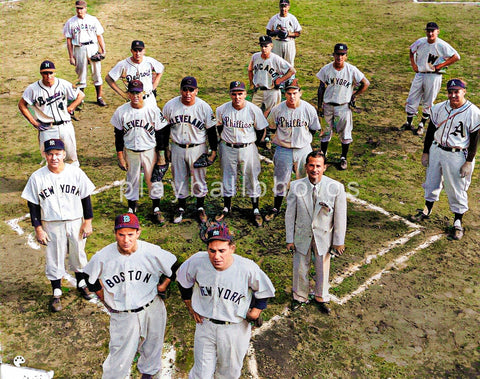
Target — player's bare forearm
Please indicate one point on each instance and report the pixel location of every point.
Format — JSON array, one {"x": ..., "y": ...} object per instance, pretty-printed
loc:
[
  {"x": 253, "y": 314},
  {"x": 412, "y": 62},
  {"x": 116, "y": 88},
  {"x": 320, "y": 94},
  {"x": 364, "y": 84},
  {"x": 23, "y": 108},
  {"x": 287, "y": 76},
  {"x": 454, "y": 58},
  {"x": 101, "y": 45},
  {"x": 162, "y": 287},
  {"x": 212, "y": 156},
  {"x": 71, "y": 58},
  {"x": 156, "y": 82},
  {"x": 76, "y": 102},
  {"x": 198, "y": 319},
  {"x": 86, "y": 229},
  {"x": 122, "y": 163},
  {"x": 161, "y": 160},
  {"x": 100, "y": 295}
]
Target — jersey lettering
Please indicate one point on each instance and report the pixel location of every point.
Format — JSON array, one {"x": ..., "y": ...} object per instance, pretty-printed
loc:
[
  {"x": 282, "y": 122},
  {"x": 228, "y": 295},
  {"x": 46, "y": 192},
  {"x": 130, "y": 276},
  {"x": 150, "y": 128},
  {"x": 338, "y": 82},
  {"x": 178, "y": 119},
  {"x": 432, "y": 58},
  {"x": 67, "y": 188},
  {"x": 459, "y": 129},
  {"x": 227, "y": 122},
  {"x": 138, "y": 76},
  {"x": 206, "y": 291},
  {"x": 270, "y": 70}
]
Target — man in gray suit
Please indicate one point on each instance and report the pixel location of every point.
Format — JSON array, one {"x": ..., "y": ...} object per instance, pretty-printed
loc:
[{"x": 315, "y": 222}]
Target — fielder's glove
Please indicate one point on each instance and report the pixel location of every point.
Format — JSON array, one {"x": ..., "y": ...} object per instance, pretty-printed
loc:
[
  {"x": 203, "y": 161},
  {"x": 282, "y": 34},
  {"x": 159, "y": 172},
  {"x": 97, "y": 57}
]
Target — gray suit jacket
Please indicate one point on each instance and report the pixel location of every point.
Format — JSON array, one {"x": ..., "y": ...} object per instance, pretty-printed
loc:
[{"x": 326, "y": 221}]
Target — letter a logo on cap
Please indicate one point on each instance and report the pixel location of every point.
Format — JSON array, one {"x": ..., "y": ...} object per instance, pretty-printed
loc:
[{"x": 453, "y": 83}]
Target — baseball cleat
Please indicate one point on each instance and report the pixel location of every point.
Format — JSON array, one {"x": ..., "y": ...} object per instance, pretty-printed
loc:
[
  {"x": 420, "y": 216},
  {"x": 101, "y": 102},
  {"x": 157, "y": 214},
  {"x": 85, "y": 293},
  {"x": 343, "y": 163},
  {"x": 257, "y": 218},
  {"x": 178, "y": 216},
  {"x": 202, "y": 216},
  {"x": 271, "y": 216},
  {"x": 420, "y": 129},
  {"x": 407, "y": 126},
  {"x": 56, "y": 305},
  {"x": 323, "y": 306},
  {"x": 221, "y": 216},
  {"x": 458, "y": 232}
]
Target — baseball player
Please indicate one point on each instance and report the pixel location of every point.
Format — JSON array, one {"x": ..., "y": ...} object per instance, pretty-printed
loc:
[
  {"x": 146, "y": 69},
  {"x": 84, "y": 35},
  {"x": 223, "y": 292},
  {"x": 285, "y": 27},
  {"x": 190, "y": 122},
  {"x": 138, "y": 142},
  {"x": 315, "y": 223},
  {"x": 449, "y": 153},
  {"x": 125, "y": 275},
  {"x": 58, "y": 197},
  {"x": 336, "y": 93},
  {"x": 428, "y": 56},
  {"x": 49, "y": 99},
  {"x": 240, "y": 124},
  {"x": 295, "y": 122},
  {"x": 266, "y": 71}
]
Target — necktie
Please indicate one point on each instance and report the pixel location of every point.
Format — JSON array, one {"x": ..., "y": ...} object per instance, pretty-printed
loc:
[{"x": 314, "y": 196}]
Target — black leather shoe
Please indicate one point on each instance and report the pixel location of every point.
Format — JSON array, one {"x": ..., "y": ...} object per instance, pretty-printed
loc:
[{"x": 323, "y": 307}]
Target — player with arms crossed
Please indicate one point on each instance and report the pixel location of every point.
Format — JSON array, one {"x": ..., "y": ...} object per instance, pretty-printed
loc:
[
  {"x": 295, "y": 122},
  {"x": 138, "y": 141},
  {"x": 84, "y": 35},
  {"x": 58, "y": 197},
  {"x": 190, "y": 122},
  {"x": 240, "y": 124},
  {"x": 125, "y": 276},
  {"x": 223, "y": 292},
  {"x": 449, "y": 153},
  {"x": 140, "y": 67},
  {"x": 428, "y": 57},
  {"x": 49, "y": 99},
  {"x": 335, "y": 96}
]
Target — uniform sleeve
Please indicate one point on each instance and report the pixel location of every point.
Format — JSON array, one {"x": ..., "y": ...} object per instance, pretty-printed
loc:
[
  {"x": 157, "y": 66},
  {"x": 283, "y": 65},
  {"x": 210, "y": 119},
  {"x": 116, "y": 120},
  {"x": 357, "y": 75},
  {"x": 166, "y": 260},
  {"x": 28, "y": 95},
  {"x": 93, "y": 268},
  {"x": 30, "y": 192},
  {"x": 320, "y": 75},
  {"x": 447, "y": 50},
  {"x": 66, "y": 30},
  {"x": 296, "y": 25},
  {"x": 271, "y": 118},
  {"x": 160, "y": 121},
  {"x": 98, "y": 27},
  {"x": 260, "y": 283},
  {"x": 86, "y": 185},
  {"x": 116, "y": 71},
  {"x": 72, "y": 93},
  {"x": 475, "y": 120},
  {"x": 260, "y": 120},
  {"x": 313, "y": 121},
  {"x": 414, "y": 46},
  {"x": 185, "y": 274}
]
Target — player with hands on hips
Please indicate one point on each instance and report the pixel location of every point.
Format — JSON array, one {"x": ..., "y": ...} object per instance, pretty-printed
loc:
[
  {"x": 449, "y": 153},
  {"x": 58, "y": 197},
  {"x": 125, "y": 276},
  {"x": 295, "y": 122},
  {"x": 140, "y": 67},
  {"x": 285, "y": 27},
  {"x": 84, "y": 35},
  {"x": 429, "y": 57},
  {"x": 336, "y": 94},
  {"x": 53, "y": 116},
  {"x": 191, "y": 122},
  {"x": 241, "y": 125},
  {"x": 139, "y": 143},
  {"x": 223, "y": 292}
]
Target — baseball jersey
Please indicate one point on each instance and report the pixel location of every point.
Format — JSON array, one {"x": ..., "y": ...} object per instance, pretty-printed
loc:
[
  {"x": 143, "y": 71},
  {"x": 82, "y": 31},
  {"x": 224, "y": 295},
  {"x": 265, "y": 71},
  {"x": 293, "y": 125},
  {"x": 427, "y": 55},
  {"x": 455, "y": 125},
  {"x": 239, "y": 125},
  {"x": 289, "y": 23},
  {"x": 59, "y": 195},
  {"x": 130, "y": 281},
  {"x": 339, "y": 83},
  {"x": 50, "y": 103},
  {"x": 138, "y": 125},
  {"x": 189, "y": 124}
]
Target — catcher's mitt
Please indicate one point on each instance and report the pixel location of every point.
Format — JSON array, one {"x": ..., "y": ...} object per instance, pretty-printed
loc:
[
  {"x": 159, "y": 172},
  {"x": 203, "y": 161},
  {"x": 282, "y": 33},
  {"x": 97, "y": 57}
]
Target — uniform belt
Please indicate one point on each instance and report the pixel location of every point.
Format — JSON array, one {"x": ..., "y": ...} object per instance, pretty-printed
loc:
[
  {"x": 86, "y": 43},
  {"x": 446, "y": 148},
  {"x": 431, "y": 72},
  {"x": 237, "y": 145},
  {"x": 219, "y": 322},
  {"x": 187, "y": 145},
  {"x": 136, "y": 310},
  {"x": 58, "y": 122},
  {"x": 335, "y": 104},
  {"x": 137, "y": 151}
]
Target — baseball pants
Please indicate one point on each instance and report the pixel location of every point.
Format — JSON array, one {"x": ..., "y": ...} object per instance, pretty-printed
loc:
[
  {"x": 267, "y": 99},
  {"x": 82, "y": 55},
  {"x": 131, "y": 332},
  {"x": 183, "y": 170},
  {"x": 219, "y": 350},
  {"x": 425, "y": 88},
  {"x": 285, "y": 160},
  {"x": 135, "y": 161},
  {"x": 444, "y": 168},
  {"x": 338, "y": 118},
  {"x": 286, "y": 49},
  {"x": 301, "y": 270},
  {"x": 66, "y": 133},
  {"x": 247, "y": 158},
  {"x": 64, "y": 237}
]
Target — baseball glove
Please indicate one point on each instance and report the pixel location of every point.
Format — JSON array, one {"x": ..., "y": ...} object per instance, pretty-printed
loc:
[
  {"x": 97, "y": 57},
  {"x": 282, "y": 33},
  {"x": 159, "y": 172},
  {"x": 203, "y": 161}
]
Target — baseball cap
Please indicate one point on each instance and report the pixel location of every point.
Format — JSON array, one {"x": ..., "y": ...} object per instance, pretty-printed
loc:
[
  {"x": 340, "y": 48},
  {"x": 431, "y": 26},
  {"x": 237, "y": 86},
  {"x": 47, "y": 66},
  {"x": 53, "y": 144},
  {"x": 456, "y": 84},
  {"x": 136, "y": 44},
  {"x": 292, "y": 83},
  {"x": 135, "y": 86},
  {"x": 189, "y": 81},
  {"x": 265, "y": 40},
  {"x": 218, "y": 231},
  {"x": 126, "y": 220},
  {"x": 80, "y": 4},
  {"x": 284, "y": 2}
]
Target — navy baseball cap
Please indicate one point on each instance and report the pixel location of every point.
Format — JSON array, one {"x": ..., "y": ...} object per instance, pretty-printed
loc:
[
  {"x": 136, "y": 44},
  {"x": 47, "y": 66},
  {"x": 456, "y": 84},
  {"x": 340, "y": 48},
  {"x": 219, "y": 232},
  {"x": 135, "y": 86},
  {"x": 237, "y": 86},
  {"x": 126, "y": 220},
  {"x": 432, "y": 26},
  {"x": 264, "y": 40},
  {"x": 53, "y": 144},
  {"x": 293, "y": 83},
  {"x": 80, "y": 4},
  {"x": 189, "y": 81},
  {"x": 285, "y": 2}
]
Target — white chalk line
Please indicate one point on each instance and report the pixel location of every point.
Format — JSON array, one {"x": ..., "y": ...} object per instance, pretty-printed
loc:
[{"x": 447, "y": 2}]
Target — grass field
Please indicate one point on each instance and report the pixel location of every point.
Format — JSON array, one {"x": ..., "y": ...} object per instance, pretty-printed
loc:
[{"x": 419, "y": 320}]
